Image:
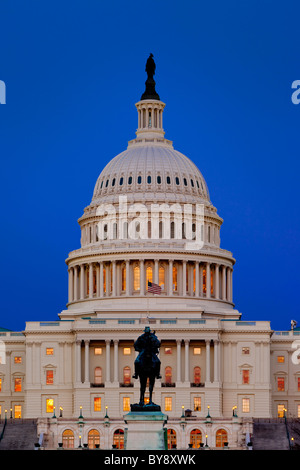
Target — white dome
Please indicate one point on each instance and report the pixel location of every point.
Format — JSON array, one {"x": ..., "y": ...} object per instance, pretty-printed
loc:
[{"x": 151, "y": 172}]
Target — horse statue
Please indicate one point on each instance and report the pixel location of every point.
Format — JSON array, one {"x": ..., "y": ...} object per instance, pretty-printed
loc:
[{"x": 147, "y": 366}]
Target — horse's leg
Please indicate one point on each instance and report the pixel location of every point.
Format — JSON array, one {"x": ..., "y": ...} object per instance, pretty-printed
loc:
[
  {"x": 142, "y": 391},
  {"x": 151, "y": 386}
]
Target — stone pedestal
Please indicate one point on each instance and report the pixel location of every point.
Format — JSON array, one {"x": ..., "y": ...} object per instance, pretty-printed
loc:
[{"x": 145, "y": 430}]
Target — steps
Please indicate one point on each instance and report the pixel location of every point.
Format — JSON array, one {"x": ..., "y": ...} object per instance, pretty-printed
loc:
[
  {"x": 19, "y": 434},
  {"x": 269, "y": 435}
]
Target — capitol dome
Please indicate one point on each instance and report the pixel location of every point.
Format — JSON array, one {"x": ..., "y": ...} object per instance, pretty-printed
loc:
[{"x": 150, "y": 253}]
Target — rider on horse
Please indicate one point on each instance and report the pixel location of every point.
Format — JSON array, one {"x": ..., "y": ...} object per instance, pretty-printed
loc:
[{"x": 148, "y": 347}]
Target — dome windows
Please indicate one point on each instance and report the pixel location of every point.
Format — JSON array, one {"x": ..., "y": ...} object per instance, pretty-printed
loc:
[
  {"x": 139, "y": 180},
  {"x": 177, "y": 181},
  {"x": 121, "y": 181},
  {"x": 106, "y": 184},
  {"x": 149, "y": 179},
  {"x": 185, "y": 181},
  {"x": 158, "y": 179},
  {"x": 130, "y": 180},
  {"x": 113, "y": 182},
  {"x": 168, "y": 180}
]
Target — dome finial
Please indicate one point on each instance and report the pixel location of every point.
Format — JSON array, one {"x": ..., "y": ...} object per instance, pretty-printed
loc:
[{"x": 150, "y": 92}]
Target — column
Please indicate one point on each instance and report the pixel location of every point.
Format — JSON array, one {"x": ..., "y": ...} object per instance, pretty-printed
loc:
[
  {"x": 82, "y": 281},
  {"x": 76, "y": 283},
  {"x": 78, "y": 361},
  {"x": 231, "y": 291},
  {"x": 197, "y": 279},
  {"x": 207, "y": 361},
  {"x": 223, "y": 282},
  {"x": 71, "y": 285},
  {"x": 116, "y": 360},
  {"x": 91, "y": 287},
  {"x": 228, "y": 284},
  {"x": 156, "y": 271},
  {"x": 170, "y": 283},
  {"x": 114, "y": 277},
  {"x": 183, "y": 277},
  {"x": 187, "y": 364},
  {"x": 216, "y": 360},
  {"x": 86, "y": 361},
  {"x": 208, "y": 281},
  {"x": 128, "y": 277},
  {"x": 217, "y": 281},
  {"x": 107, "y": 378},
  {"x": 178, "y": 360},
  {"x": 101, "y": 279},
  {"x": 142, "y": 277}
]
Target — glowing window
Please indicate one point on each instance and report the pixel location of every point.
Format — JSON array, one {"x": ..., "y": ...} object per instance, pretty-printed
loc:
[
  {"x": 126, "y": 404},
  {"x": 172, "y": 439},
  {"x": 196, "y": 438},
  {"x": 68, "y": 439},
  {"x": 168, "y": 375},
  {"x": 246, "y": 405},
  {"x": 126, "y": 375},
  {"x": 280, "y": 411},
  {"x": 280, "y": 359},
  {"x": 49, "y": 377},
  {"x": 119, "y": 439},
  {"x": 246, "y": 376},
  {"x": 98, "y": 351},
  {"x": 168, "y": 350},
  {"x": 123, "y": 279},
  {"x": 168, "y": 403},
  {"x": 197, "y": 351},
  {"x": 161, "y": 277},
  {"x": 175, "y": 286},
  {"x": 18, "y": 384},
  {"x": 149, "y": 275},
  {"x": 197, "y": 375},
  {"x": 97, "y": 403},
  {"x": 197, "y": 404},
  {"x": 93, "y": 439},
  {"x": 126, "y": 351},
  {"x": 49, "y": 351},
  {"x": 49, "y": 405},
  {"x": 18, "y": 360},
  {"x": 221, "y": 437},
  {"x": 280, "y": 384},
  {"x": 18, "y": 411},
  {"x": 136, "y": 278},
  {"x": 245, "y": 350}
]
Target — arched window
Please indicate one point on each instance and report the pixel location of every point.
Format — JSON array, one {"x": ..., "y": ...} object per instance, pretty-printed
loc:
[
  {"x": 168, "y": 375},
  {"x": 175, "y": 284},
  {"x": 158, "y": 179},
  {"x": 68, "y": 439},
  {"x": 130, "y": 180},
  {"x": 168, "y": 180},
  {"x": 98, "y": 375},
  {"x": 118, "y": 441},
  {"x": 172, "y": 440},
  {"x": 196, "y": 438},
  {"x": 123, "y": 278},
  {"x": 139, "y": 180},
  {"x": 121, "y": 181},
  {"x": 149, "y": 275},
  {"x": 221, "y": 437},
  {"x": 93, "y": 439},
  {"x": 197, "y": 375},
  {"x": 160, "y": 229},
  {"x": 161, "y": 277},
  {"x": 136, "y": 278},
  {"x": 149, "y": 179},
  {"x": 172, "y": 229},
  {"x": 126, "y": 375},
  {"x": 177, "y": 180}
]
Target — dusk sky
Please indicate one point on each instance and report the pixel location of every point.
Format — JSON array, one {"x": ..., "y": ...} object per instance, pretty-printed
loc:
[{"x": 73, "y": 72}]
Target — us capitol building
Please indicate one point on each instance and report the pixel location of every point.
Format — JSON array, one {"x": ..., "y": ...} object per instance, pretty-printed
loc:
[{"x": 147, "y": 258}]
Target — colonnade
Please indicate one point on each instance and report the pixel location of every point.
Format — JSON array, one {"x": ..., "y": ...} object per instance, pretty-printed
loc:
[
  {"x": 103, "y": 279},
  {"x": 182, "y": 370}
]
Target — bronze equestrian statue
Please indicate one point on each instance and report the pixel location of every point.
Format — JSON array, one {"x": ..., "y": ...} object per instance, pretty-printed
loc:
[{"x": 147, "y": 366}]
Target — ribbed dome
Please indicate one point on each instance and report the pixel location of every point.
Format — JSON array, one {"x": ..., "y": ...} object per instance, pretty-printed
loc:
[{"x": 151, "y": 170}]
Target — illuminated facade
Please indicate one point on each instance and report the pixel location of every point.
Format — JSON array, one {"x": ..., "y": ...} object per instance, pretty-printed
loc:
[{"x": 218, "y": 371}]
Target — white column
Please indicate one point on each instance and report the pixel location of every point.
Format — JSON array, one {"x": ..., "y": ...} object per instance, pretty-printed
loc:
[
  {"x": 183, "y": 277},
  {"x": 208, "y": 361},
  {"x": 114, "y": 277},
  {"x": 156, "y": 271},
  {"x": 116, "y": 360},
  {"x": 197, "y": 279},
  {"x": 228, "y": 284},
  {"x": 223, "y": 282},
  {"x": 216, "y": 360},
  {"x": 208, "y": 281},
  {"x": 142, "y": 277},
  {"x": 101, "y": 279},
  {"x": 71, "y": 285},
  {"x": 187, "y": 364},
  {"x": 78, "y": 361},
  {"x": 231, "y": 290},
  {"x": 82, "y": 281},
  {"x": 91, "y": 287},
  {"x": 178, "y": 360},
  {"x": 128, "y": 290},
  {"x": 217, "y": 282},
  {"x": 86, "y": 361},
  {"x": 76, "y": 283},
  {"x": 170, "y": 283},
  {"x": 107, "y": 360}
]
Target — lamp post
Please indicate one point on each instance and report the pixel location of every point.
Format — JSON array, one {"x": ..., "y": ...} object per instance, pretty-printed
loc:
[
  {"x": 79, "y": 441},
  {"x": 60, "y": 411},
  {"x": 206, "y": 445},
  {"x": 234, "y": 411},
  {"x": 80, "y": 415}
]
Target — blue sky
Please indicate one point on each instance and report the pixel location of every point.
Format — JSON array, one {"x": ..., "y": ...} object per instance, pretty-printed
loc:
[{"x": 74, "y": 70}]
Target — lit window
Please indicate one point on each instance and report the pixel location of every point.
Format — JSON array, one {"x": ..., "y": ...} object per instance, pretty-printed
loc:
[
  {"x": 174, "y": 279},
  {"x": 204, "y": 281},
  {"x": 246, "y": 376},
  {"x": 196, "y": 438},
  {"x": 118, "y": 439},
  {"x": 49, "y": 377},
  {"x": 280, "y": 411},
  {"x": 172, "y": 439},
  {"x": 97, "y": 403},
  {"x": 98, "y": 375},
  {"x": 126, "y": 351},
  {"x": 49, "y": 351},
  {"x": 221, "y": 437},
  {"x": 18, "y": 360},
  {"x": 49, "y": 405},
  {"x": 0, "y": 385},
  {"x": 161, "y": 277},
  {"x": 168, "y": 403},
  {"x": 168, "y": 375},
  {"x": 93, "y": 439},
  {"x": 126, "y": 375},
  {"x": 123, "y": 278},
  {"x": 68, "y": 439},
  {"x": 298, "y": 408},
  {"x": 245, "y": 350},
  {"x": 136, "y": 278},
  {"x": 197, "y": 351},
  {"x": 168, "y": 350},
  {"x": 246, "y": 405},
  {"x": 149, "y": 275},
  {"x": 126, "y": 404},
  {"x": 98, "y": 351},
  {"x": 280, "y": 359},
  {"x": 18, "y": 384},
  {"x": 197, "y": 375},
  {"x": 197, "y": 404},
  {"x": 280, "y": 384},
  {"x": 18, "y": 411}
]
